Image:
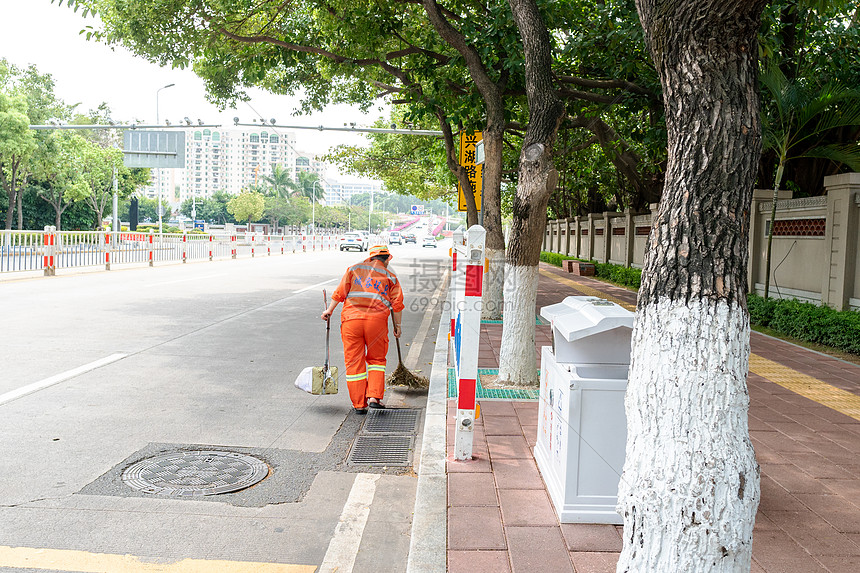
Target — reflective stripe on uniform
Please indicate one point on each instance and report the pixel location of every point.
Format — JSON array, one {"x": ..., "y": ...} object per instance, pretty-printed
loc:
[
  {"x": 373, "y": 295},
  {"x": 376, "y": 367},
  {"x": 387, "y": 273},
  {"x": 354, "y": 377}
]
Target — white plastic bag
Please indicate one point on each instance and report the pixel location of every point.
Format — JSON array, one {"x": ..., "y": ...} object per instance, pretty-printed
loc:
[{"x": 305, "y": 381}]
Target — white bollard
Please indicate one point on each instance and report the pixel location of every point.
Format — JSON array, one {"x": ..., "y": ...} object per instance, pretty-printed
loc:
[{"x": 469, "y": 289}]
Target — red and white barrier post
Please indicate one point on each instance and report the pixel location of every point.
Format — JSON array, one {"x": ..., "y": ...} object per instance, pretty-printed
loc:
[
  {"x": 107, "y": 251},
  {"x": 210, "y": 247},
  {"x": 233, "y": 244},
  {"x": 49, "y": 251},
  {"x": 468, "y": 288},
  {"x": 184, "y": 246},
  {"x": 151, "y": 247}
]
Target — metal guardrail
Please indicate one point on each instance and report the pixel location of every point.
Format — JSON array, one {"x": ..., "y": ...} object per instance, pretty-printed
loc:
[{"x": 50, "y": 250}]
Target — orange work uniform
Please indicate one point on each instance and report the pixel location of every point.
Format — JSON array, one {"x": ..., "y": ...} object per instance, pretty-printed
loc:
[{"x": 369, "y": 292}]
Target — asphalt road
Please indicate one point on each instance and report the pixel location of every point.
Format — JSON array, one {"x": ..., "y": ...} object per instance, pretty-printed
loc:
[{"x": 102, "y": 369}]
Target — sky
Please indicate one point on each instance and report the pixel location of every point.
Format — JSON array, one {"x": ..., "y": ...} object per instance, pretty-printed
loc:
[{"x": 47, "y": 35}]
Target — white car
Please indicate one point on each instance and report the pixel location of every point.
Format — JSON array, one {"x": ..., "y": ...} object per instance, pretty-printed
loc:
[
  {"x": 394, "y": 237},
  {"x": 429, "y": 241},
  {"x": 354, "y": 241}
]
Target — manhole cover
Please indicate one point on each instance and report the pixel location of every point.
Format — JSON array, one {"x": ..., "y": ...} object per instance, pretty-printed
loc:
[
  {"x": 195, "y": 473},
  {"x": 391, "y": 421},
  {"x": 387, "y": 450}
]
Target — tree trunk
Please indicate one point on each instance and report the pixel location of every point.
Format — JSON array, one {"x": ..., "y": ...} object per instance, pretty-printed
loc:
[
  {"x": 537, "y": 179},
  {"x": 491, "y": 207},
  {"x": 491, "y": 201},
  {"x": 20, "y": 202},
  {"x": 10, "y": 209},
  {"x": 452, "y": 160},
  {"x": 690, "y": 486}
]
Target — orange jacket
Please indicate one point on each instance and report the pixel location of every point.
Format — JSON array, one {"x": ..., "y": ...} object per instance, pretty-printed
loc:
[{"x": 368, "y": 290}]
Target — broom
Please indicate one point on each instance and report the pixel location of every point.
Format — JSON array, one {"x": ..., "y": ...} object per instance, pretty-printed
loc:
[{"x": 402, "y": 376}]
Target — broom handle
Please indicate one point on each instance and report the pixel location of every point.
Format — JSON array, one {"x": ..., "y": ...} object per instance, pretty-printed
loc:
[
  {"x": 399, "y": 357},
  {"x": 327, "y": 330}
]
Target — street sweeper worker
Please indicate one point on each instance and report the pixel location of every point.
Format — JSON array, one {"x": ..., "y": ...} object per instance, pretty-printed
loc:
[{"x": 369, "y": 292}]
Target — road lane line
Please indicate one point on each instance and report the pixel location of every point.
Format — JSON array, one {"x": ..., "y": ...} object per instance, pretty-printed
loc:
[
  {"x": 418, "y": 342},
  {"x": 42, "y": 384},
  {"x": 85, "y": 562},
  {"x": 343, "y": 548},
  {"x": 314, "y": 286}
]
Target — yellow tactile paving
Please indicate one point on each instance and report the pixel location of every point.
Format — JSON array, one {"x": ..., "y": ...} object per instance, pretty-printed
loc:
[
  {"x": 799, "y": 383},
  {"x": 85, "y": 562},
  {"x": 807, "y": 386}
]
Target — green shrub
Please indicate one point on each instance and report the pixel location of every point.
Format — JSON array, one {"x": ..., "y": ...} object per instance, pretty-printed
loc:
[{"x": 808, "y": 322}]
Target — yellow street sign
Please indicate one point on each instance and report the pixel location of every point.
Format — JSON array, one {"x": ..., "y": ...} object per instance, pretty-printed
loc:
[{"x": 474, "y": 171}]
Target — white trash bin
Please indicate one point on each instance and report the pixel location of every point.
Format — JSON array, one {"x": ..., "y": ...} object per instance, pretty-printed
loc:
[{"x": 582, "y": 428}]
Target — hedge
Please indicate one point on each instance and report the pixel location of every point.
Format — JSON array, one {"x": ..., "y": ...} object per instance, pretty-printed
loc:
[{"x": 808, "y": 322}]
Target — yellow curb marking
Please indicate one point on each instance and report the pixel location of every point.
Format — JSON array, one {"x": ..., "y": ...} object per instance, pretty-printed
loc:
[
  {"x": 84, "y": 562},
  {"x": 790, "y": 379}
]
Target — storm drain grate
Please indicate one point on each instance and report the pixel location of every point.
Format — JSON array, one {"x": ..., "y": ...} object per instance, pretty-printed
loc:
[
  {"x": 382, "y": 450},
  {"x": 391, "y": 421},
  {"x": 192, "y": 473}
]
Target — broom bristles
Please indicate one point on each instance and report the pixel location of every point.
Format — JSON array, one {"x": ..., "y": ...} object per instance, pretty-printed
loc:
[{"x": 403, "y": 377}]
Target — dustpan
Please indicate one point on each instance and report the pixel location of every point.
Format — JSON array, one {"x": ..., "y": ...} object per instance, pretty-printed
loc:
[{"x": 319, "y": 380}]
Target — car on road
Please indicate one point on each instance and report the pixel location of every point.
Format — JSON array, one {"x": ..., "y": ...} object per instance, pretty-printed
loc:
[
  {"x": 409, "y": 238},
  {"x": 429, "y": 241},
  {"x": 394, "y": 237},
  {"x": 353, "y": 241}
]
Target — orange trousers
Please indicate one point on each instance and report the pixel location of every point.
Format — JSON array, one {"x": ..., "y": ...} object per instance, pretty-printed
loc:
[{"x": 365, "y": 344}]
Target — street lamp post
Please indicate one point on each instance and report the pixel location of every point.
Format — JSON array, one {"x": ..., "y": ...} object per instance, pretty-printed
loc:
[{"x": 158, "y": 171}]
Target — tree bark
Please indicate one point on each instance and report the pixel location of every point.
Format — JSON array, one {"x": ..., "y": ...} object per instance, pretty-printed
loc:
[
  {"x": 537, "y": 179},
  {"x": 690, "y": 487},
  {"x": 452, "y": 160},
  {"x": 491, "y": 202}
]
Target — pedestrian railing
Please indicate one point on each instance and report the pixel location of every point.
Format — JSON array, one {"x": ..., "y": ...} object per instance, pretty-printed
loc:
[{"x": 50, "y": 249}]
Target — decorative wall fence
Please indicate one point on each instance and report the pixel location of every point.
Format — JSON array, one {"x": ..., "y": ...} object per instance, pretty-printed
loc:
[
  {"x": 50, "y": 250},
  {"x": 815, "y": 242}
]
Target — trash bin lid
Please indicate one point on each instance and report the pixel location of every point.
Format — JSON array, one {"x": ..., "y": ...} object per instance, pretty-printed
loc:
[{"x": 578, "y": 317}]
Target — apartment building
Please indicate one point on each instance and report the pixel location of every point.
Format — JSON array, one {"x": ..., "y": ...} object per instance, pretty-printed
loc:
[
  {"x": 338, "y": 193},
  {"x": 225, "y": 159}
]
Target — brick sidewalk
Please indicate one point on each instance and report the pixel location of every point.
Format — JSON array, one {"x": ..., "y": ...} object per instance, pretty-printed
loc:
[{"x": 500, "y": 517}]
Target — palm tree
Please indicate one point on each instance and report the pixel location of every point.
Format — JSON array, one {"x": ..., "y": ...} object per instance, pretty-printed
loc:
[
  {"x": 802, "y": 119},
  {"x": 306, "y": 186},
  {"x": 281, "y": 183}
]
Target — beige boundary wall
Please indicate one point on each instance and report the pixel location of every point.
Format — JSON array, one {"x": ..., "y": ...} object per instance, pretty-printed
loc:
[{"x": 815, "y": 244}]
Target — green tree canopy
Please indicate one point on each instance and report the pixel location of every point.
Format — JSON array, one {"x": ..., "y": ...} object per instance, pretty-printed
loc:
[{"x": 247, "y": 206}]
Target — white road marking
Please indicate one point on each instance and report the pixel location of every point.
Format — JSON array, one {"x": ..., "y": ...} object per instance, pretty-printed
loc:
[
  {"x": 42, "y": 384},
  {"x": 343, "y": 548},
  {"x": 418, "y": 342},
  {"x": 316, "y": 285}
]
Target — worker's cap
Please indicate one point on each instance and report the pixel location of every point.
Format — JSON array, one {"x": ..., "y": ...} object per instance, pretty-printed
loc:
[{"x": 379, "y": 250}]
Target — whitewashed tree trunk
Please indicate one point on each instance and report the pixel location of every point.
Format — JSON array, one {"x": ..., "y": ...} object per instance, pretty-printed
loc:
[
  {"x": 690, "y": 486},
  {"x": 494, "y": 284},
  {"x": 537, "y": 180},
  {"x": 517, "y": 356}
]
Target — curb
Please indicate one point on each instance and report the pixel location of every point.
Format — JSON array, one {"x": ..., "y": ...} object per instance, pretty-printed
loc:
[{"x": 428, "y": 540}]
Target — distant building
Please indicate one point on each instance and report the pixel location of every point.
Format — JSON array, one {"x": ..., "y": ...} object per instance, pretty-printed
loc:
[
  {"x": 225, "y": 159},
  {"x": 338, "y": 193},
  {"x": 307, "y": 162}
]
